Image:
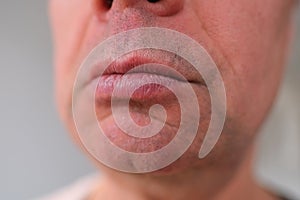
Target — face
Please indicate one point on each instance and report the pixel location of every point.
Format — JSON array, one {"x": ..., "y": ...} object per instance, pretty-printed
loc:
[{"x": 247, "y": 40}]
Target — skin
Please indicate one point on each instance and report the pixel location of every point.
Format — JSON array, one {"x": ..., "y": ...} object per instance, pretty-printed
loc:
[{"x": 248, "y": 40}]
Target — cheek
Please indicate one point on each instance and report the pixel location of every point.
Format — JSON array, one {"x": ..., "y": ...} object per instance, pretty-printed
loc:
[
  {"x": 246, "y": 35},
  {"x": 68, "y": 20}
]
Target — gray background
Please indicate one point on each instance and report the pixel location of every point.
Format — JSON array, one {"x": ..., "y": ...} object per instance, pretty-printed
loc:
[{"x": 37, "y": 155}]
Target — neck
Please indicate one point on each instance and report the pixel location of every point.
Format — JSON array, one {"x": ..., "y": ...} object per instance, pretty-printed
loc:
[{"x": 187, "y": 185}]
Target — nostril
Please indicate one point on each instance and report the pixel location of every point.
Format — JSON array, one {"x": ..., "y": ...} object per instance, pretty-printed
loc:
[
  {"x": 153, "y": 1},
  {"x": 107, "y": 3},
  {"x": 102, "y": 8},
  {"x": 102, "y": 5}
]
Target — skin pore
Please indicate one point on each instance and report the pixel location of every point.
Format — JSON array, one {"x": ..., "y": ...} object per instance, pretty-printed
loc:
[{"x": 248, "y": 40}]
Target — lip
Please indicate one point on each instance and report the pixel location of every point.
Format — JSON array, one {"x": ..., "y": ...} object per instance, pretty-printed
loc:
[
  {"x": 124, "y": 74},
  {"x": 121, "y": 86}
]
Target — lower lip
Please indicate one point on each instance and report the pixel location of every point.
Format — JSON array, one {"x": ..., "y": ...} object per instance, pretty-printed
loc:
[{"x": 121, "y": 86}]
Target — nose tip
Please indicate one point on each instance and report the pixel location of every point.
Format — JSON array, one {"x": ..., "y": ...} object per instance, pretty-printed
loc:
[{"x": 156, "y": 7}]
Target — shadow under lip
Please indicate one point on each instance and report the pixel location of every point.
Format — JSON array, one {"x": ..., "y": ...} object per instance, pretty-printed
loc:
[{"x": 134, "y": 144}]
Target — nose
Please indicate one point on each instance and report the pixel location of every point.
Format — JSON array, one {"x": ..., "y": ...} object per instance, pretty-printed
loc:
[{"x": 107, "y": 8}]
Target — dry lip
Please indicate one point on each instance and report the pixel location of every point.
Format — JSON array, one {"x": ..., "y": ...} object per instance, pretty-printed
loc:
[{"x": 130, "y": 64}]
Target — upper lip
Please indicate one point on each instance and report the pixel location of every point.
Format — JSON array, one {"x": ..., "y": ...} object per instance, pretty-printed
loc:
[{"x": 128, "y": 63}]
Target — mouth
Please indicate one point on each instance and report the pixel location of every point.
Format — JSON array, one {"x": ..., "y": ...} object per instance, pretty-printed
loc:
[{"x": 148, "y": 73}]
